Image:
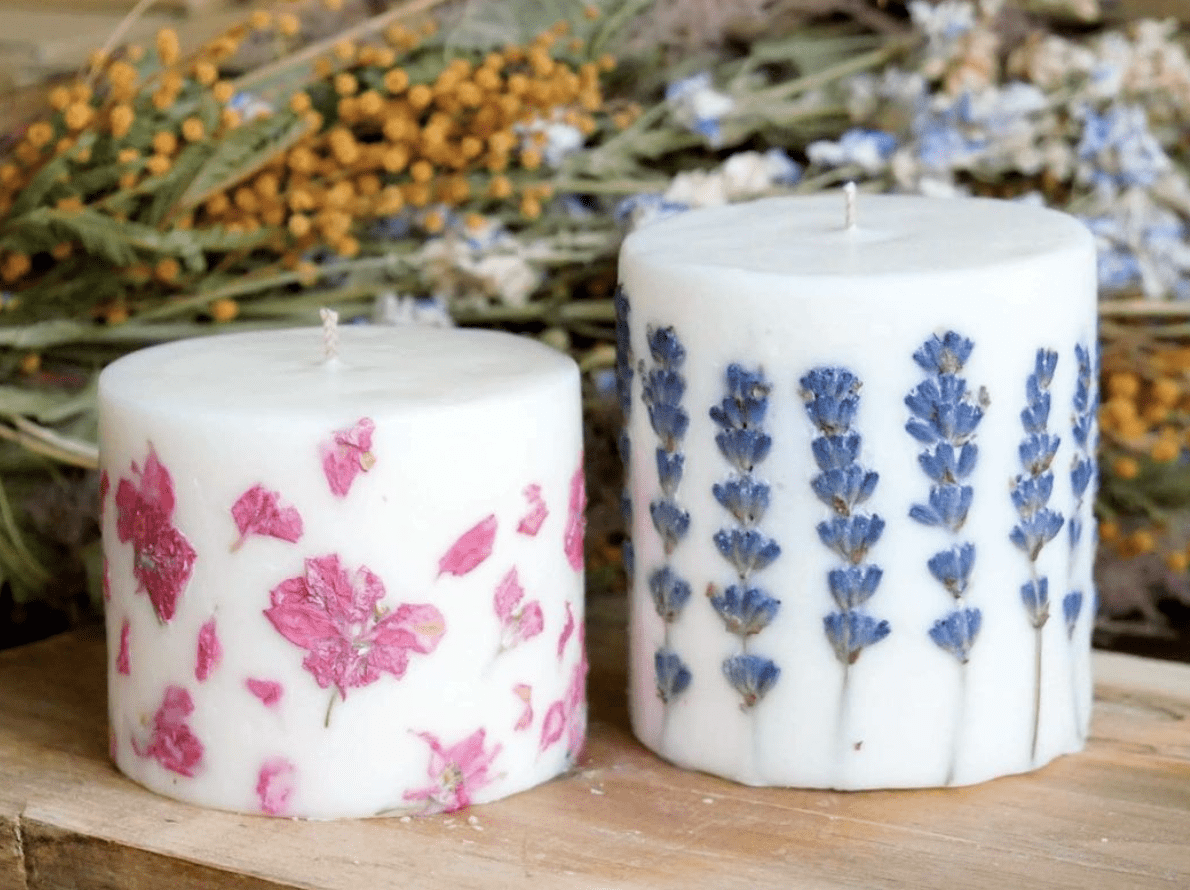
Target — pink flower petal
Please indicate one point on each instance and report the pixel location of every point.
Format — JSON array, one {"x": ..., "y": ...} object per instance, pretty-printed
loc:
[
  {"x": 210, "y": 651},
  {"x": 575, "y": 523},
  {"x": 105, "y": 484},
  {"x": 472, "y": 548},
  {"x": 268, "y": 691},
  {"x": 275, "y": 785},
  {"x": 524, "y": 692},
  {"x": 530, "y": 523},
  {"x": 123, "y": 660},
  {"x": 172, "y": 743},
  {"x": 258, "y": 511},
  {"x": 508, "y": 594},
  {"x": 347, "y": 454},
  {"x": 553, "y": 725},
  {"x": 107, "y": 581},
  {"x": 567, "y": 630},
  {"x": 458, "y": 772}
]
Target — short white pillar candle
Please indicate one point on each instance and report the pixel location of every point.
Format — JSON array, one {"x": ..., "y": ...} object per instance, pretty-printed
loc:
[
  {"x": 345, "y": 573},
  {"x": 861, "y": 462}
]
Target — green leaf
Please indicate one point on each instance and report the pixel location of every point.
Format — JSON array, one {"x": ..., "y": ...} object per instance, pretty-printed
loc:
[
  {"x": 54, "y": 173},
  {"x": 242, "y": 152},
  {"x": 174, "y": 184}
]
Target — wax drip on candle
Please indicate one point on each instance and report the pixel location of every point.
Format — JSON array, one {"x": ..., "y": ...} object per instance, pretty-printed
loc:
[
  {"x": 849, "y": 206},
  {"x": 330, "y": 334}
]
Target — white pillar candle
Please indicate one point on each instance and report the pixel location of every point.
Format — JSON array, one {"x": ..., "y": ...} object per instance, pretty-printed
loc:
[
  {"x": 861, "y": 455},
  {"x": 345, "y": 576}
]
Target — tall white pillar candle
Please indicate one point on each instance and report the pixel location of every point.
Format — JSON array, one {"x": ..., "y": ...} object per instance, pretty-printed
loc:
[
  {"x": 344, "y": 570},
  {"x": 861, "y": 471}
]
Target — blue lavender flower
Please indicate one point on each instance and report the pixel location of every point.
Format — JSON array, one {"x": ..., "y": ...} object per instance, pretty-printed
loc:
[
  {"x": 851, "y": 537},
  {"x": 948, "y": 506},
  {"x": 831, "y": 396},
  {"x": 744, "y": 610},
  {"x": 945, "y": 355},
  {"x": 835, "y": 452},
  {"x": 670, "y": 593},
  {"x": 672, "y": 674},
  {"x": 745, "y": 497},
  {"x": 851, "y": 631},
  {"x": 669, "y": 470},
  {"x": 747, "y": 550},
  {"x": 624, "y": 372},
  {"x": 947, "y": 464},
  {"x": 956, "y": 632},
  {"x": 1032, "y": 493},
  {"x": 752, "y": 676},
  {"x": 1118, "y": 149},
  {"x": 665, "y": 347},
  {"x": 943, "y": 411},
  {"x": 853, "y": 586},
  {"x": 843, "y": 489},
  {"x": 1037, "y": 452},
  {"x": 1075, "y": 527},
  {"x": 1081, "y": 475},
  {"x": 952, "y": 568},
  {"x": 744, "y": 447},
  {"x": 747, "y": 399},
  {"x": 1072, "y": 606},
  {"x": 1036, "y": 597},
  {"x": 671, "y": 521},
  {"x": 1034, "y": 532}
]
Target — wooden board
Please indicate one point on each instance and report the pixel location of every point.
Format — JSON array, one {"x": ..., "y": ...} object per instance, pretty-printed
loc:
[{"x": 1115, "y": 816}]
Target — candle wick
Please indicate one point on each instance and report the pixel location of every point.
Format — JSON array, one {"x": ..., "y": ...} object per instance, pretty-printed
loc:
[
  {"x": 849, "y": 203},
  {"x": 330, "y": 333}
]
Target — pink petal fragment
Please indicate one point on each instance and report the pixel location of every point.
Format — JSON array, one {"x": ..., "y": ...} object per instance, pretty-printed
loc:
[
  {"x": 258, "y": 511},
  {"x": 107, "y": 581},
  {"x": 569, "y": 714},
  {"x": 172, "y": 743},
  {"x": 457, "y": 771},
  {"x": 524, "y": 692},
  {"x": 349, "y": 637},
  {"x": 567, "y": 630},
  {"x": 105, "y": 484},
  {"x": 268, "y": 691},
  {"x": 347, "y": 454},
  {"x": 508, "y": 594},
  {"x": 210, "y": 651},
  {"x": 275, "y": 785},
  {"x": 553, "y": 725},
  {"x": 530, "y": 523},
  {"x": 123, "y": 659},
  {"x": 472, "y": 548},
  {"x": 575, "y": 523}
]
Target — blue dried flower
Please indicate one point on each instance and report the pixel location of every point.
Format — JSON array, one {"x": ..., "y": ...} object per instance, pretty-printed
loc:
[
  {"x": 1075, "y": 527},
  {"x": 666, "y": 349},
  {"x": 624, "y": 371},
  {"x": 850, "y": 632},
  {"x": 948, "y": 506},
  {"x": 745, "y": 497},
  {"x": 1032, "y": 493},
  {"x": 1081, "y": 475},
  {"x": 1043, "y": 371},
  {"x": 747, "y": 399},
  {"x": 952, "y": 568},
  {"x": 744, "y": 610},
  {"x": 843, "y": 489},
  {"x": 956, "y": 632},
  {"x": 672, "y": 674},
  {"x": 947, "y": 464},
  {"x": 1036, "y": 414},
  {"x": 746, "y": 549},
  {"x": 1072, "y": 605},
  {"x": 1035, "y": 595},
  {"x": 624, "y": 446},
  {"x": 942, "y": 411},
  {"x": 852, "y": 536},
  {"x": 853, "y": 586},
  {"x": 1036, "y": 531},
  {"x": 669, "y": 422},
  {"x": 752, "y": 676},
  {"x": 671, "y": 521},
  {"x": 669, "y": 470},
  {"x": 664, "y": 386},
  {"x": 744, "y": 448},
  {"x": 831, "y": 398},
  {"x": 670, "y": 593},
  {"x": 944, "y": 355},
  {"x": 1037, "y": 452},
  {"x": 628, "y": 555},
  {"x": 835, "y": 452}
]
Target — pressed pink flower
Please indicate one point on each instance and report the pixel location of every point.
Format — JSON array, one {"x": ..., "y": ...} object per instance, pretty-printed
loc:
[
  {"x": 575, "y": 523},
  {"x": 210, "y": 651},
  {"x": 530, "y": 523},
  {"x": 347, "y": 454},
  {"x": 259, "y": 512},
  {"x": 457, "y": 771},
  {"x": 107, "y": 581},
  {"x": 472, "y": 548},
  {"x": 518, "y": 621},
  {"x": 162, "y": 557},
  {"x": 105, "y": 484},
  {"x": 275, "y": 784},
  {"x": 567, "y": 630},
  {"x": 123, "y": 657},
  {"x": 524, "y": 692},
  {"x": 172, "y": 743},
  {"x": 268, "y": 691},
  {"x": 349, "y": 638},
  {"x": 568, "y": 715}
]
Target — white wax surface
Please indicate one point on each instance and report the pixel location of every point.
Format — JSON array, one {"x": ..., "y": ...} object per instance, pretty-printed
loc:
[
  {"x": 780, "y": 287},
  {"x": 470, "y": 474}
]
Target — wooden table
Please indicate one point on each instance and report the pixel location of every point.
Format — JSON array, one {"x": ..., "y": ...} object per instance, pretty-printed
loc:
[{"x": 1116, "y": 816}]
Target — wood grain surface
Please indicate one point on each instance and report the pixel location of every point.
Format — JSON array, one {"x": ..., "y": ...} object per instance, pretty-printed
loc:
[{"x": 1115, "y": 816}]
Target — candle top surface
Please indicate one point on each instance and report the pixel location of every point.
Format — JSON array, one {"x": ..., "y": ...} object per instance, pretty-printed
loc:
[
  {"x": 286, "y": 372},
  {"x": 893, "y": 235}
]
